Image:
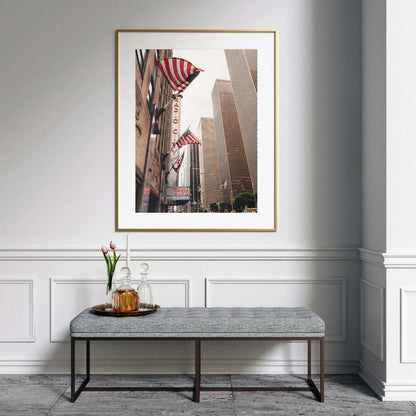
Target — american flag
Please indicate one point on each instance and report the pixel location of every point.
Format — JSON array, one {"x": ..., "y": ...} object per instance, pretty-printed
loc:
[
  {"x": 178, "y": 164},
  {"x": 178, "y": 72},
  {"x": 187, "y": 138}
]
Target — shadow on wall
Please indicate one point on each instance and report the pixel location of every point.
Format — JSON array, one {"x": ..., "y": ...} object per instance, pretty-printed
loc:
[{"x": 334, "y": 131}]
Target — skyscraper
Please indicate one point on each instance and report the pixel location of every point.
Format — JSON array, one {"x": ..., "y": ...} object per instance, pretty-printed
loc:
[
  {"x": 194, "y": 175},
  {"x": 210, "y": 169},
  {"x": 234, "y": 171},
  {"x": 242, "y": 66}
]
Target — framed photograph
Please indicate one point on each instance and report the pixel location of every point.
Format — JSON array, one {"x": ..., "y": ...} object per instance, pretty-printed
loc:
[{"x": 196, "y": 134}]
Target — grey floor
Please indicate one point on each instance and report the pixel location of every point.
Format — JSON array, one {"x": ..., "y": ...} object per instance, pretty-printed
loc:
[{"x": 49, "y": 395}]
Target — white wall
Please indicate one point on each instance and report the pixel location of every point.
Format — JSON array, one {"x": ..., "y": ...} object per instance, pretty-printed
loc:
[
  {"x": 401, "y": 200},
  {"x": 401, "y": 105},
  {"x": 373, "y": 279},
  {"x": 389, "y": 257},
  {"x": 57, "y": 147},
  {"x": 374, "y": 124}
]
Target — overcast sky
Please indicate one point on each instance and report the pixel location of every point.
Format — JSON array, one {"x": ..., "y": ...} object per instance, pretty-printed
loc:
[{"x": 197, "y": 102}]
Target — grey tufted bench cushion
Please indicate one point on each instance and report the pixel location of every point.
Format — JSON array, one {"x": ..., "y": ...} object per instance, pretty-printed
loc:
[
  {"x": 198, "y": 325},
  {"x": 204, "y": 323}
]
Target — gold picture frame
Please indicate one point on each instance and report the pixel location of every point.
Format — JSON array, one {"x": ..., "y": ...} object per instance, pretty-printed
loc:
[{"x": 207, "y": 177}]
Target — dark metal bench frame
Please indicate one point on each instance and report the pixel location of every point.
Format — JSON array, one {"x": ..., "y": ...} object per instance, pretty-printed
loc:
[{"x": 311, "y": 386}]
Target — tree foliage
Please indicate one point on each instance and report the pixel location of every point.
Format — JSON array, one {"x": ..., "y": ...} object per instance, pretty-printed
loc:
[
  {"x": 220, "y": 206},
  {"x": 240, "y": 203},
  {"x": 243, "y": 200}
]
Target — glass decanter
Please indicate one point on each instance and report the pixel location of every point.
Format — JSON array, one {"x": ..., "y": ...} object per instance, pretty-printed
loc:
[
  {"x": 144, "y": 289},
  {"x": 125, "y": 298}
]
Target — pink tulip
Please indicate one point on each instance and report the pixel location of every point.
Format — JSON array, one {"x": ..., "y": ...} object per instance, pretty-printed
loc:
[
  {"x": 112, "y": 245},
  {"x": 104, "y": 249}
]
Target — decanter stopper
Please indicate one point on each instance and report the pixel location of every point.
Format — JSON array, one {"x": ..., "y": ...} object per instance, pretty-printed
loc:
[
  {"x": 144, "y": 269},
  {"x": 125, "y": 273}
]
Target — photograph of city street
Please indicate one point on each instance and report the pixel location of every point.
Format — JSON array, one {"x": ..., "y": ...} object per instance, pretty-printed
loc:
[{"x": 196, "y": 131}]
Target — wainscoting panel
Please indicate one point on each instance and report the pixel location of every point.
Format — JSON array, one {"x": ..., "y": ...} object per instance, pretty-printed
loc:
[
  {"x": 372, "y": 318},
  {"x": 16, "y": 298},
  {"x": 66, "y": 282},
  {"x": 70, "y": 296},
  {"x": 326, "y": 296},
  {"x": 407, "y": 326},
  {"x": 170, "y": 292}
]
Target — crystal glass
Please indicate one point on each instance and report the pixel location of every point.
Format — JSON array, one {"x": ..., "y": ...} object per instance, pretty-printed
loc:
[
  {"x": 125, "y": 298},
  {"x": 144, "y": 289},
  {"x": 109, "y": 296}
]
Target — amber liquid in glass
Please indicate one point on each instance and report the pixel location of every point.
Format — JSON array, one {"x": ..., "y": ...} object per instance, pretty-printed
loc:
[{"x": 125, "y": 300}]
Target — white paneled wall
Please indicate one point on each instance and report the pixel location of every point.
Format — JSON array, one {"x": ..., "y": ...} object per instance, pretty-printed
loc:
[
  {"x": 57, "y": 187},
  {"x": 372, "y": 318},
  {"x": 408, "y": 333},
  {"x": 16, "y": 300},
  {"x": 70, "y": 296},
  {"x": 388, "y": 340},
  {"x": 320, "y": 279},
  {"x": 326, "y": 296},
  {"x": 67, "y": 298}
]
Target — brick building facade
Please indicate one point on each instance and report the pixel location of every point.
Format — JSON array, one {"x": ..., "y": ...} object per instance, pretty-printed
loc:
[{"x": 152, "y": 132}]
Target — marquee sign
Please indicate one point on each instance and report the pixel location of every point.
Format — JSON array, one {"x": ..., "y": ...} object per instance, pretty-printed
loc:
[{"x": 178, "y": 193}]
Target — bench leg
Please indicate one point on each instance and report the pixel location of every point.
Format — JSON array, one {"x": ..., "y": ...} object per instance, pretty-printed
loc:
[
  {"x": 87, "y": 353},
  {"x": 72, "y": 370},
  {"x": 76, "y": 393},
  {"x": 322, "y": 368},
  {"x": 318, "y": 393},
  {"x": 197, "y": 385}
]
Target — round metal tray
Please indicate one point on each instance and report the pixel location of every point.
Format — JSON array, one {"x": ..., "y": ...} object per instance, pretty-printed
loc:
[{"x": 144, "y": 309}]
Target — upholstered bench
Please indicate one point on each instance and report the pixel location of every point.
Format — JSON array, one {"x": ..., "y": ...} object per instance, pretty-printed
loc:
[{"x": 201, "y": 324}]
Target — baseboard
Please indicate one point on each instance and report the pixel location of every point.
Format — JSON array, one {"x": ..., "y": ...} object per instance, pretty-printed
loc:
[
  {"x": 178, "y": 366},
  {"x": 400, "y": 392},
  {"x": 374, "y": 382},
  {"x": 388, "y": 391}
]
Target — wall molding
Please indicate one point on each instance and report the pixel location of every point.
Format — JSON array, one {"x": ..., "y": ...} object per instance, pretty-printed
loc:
[
  {"x": 172, "y": 281},
  {"x": 378, "y": 350},
  {"x": 405, "y": 358},
  {"x": 31, "y": 334},
  {"x": 95, "y": 281},
  {"x": 340, "y": 281},
  {"x": 399, "y": 391},
  {"x": 382, "y": 259},
  {"x": 388, "y": 260},
  {"x": 372, "y": 257},
  {"x": 375, "y": 383},
  {"x": 168, "y": 254},
  {"x": 402, "y": 391},
  {"x": 53, "y": 282}
]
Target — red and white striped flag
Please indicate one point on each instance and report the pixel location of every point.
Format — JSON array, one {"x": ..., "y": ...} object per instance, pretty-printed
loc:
[
  {"x": 187, "y": 138},
  {"x": 178, "y": 164},
  {"x": 178, "y": 72}
]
